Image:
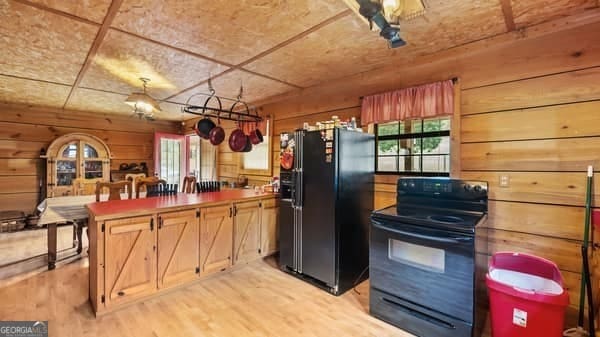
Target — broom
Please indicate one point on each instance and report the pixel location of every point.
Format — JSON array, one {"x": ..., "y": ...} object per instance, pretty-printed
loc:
[{"x": 585, "y": 277}]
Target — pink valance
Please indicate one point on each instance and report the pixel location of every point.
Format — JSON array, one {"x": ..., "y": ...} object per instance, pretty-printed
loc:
[{"x": 424, "y": 101}]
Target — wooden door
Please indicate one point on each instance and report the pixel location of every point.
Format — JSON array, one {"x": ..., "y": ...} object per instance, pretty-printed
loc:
[
  {"x": 130, "y": 263},
  {"x": 178, "y": 247},
  {"x": 216, "y": 239},
  {"x": 246, "y": 232},
  {"x": 269, "y": 227}
]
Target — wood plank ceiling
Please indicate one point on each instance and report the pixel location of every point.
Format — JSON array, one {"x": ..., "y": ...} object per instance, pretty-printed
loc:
[{"x": 88, "y": 55}]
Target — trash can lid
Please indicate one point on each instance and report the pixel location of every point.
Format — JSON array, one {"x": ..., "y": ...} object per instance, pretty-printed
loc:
[{"x": 526, "y": 282}]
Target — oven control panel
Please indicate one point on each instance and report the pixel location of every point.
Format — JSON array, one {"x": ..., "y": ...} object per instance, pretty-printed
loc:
[{"x": 445, "y": 187}]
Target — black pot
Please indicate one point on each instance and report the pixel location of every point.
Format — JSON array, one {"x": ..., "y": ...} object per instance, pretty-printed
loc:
[
  {"x": 248, "y": 146},
  {"x": 203, "y": 127}
]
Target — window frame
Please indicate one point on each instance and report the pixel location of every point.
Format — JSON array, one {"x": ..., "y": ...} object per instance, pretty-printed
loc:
[{"x": 416, "y": 135}]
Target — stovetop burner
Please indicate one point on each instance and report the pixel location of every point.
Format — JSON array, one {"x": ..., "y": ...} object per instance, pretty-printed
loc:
[{"x": 442, "y": 218}]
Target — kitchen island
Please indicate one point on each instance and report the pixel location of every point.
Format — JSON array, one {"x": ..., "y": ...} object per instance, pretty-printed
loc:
[{"x": 140, "y": 248}]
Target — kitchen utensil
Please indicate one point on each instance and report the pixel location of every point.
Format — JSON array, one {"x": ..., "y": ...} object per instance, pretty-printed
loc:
[
  {"x": 237, "y": 140},
  {"x": 217, "y": 134},
  {"x": 242, "y": 180},
  {"x": 256, "y": 137},
  {"x": 204, "y": 126},
  {"x": 248, "y": 146}
]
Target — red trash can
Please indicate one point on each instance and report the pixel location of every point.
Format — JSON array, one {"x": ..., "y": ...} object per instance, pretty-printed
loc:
[{"x": 527, "y": 297}]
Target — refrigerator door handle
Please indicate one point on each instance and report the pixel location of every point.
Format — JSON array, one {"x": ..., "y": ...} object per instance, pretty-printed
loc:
[{"x": 298, "y": 195}]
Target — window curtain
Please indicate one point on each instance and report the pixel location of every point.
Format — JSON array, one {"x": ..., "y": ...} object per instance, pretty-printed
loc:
[{"x": 424, "y": 101}]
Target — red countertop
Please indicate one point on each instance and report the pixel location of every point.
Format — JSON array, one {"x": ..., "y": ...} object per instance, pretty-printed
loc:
[{"x": 129, "y": 207}]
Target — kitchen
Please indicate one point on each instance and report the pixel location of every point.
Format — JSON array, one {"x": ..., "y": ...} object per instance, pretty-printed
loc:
[{"x": 524, "y": 120}]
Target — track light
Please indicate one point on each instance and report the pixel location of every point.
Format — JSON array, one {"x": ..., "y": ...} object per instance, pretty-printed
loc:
[{"x": 373, "y": 12}]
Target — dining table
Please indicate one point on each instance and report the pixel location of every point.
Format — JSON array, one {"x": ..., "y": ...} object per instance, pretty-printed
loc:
[{"x": 67, "y": 209}]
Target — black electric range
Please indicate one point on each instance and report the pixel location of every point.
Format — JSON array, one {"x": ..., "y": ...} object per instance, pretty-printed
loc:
[{"x": 428, "y": 257}]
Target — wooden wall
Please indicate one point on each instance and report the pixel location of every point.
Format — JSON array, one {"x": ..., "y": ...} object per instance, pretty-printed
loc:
[
  {"x": 24, "y": 131},
  {"x": 529, "y": 109}
]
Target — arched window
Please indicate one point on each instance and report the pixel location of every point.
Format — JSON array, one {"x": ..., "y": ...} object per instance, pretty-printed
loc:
[{"x": 75, "y": 162}]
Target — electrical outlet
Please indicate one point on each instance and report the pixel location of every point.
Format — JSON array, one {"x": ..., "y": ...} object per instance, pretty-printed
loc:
[{"x": 504, "y": 181}]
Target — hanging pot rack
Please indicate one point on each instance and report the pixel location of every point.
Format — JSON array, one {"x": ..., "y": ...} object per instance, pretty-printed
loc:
[{"x": 239, "y": 110}]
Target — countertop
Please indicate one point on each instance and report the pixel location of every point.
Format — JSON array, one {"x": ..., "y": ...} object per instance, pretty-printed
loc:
[{"x": 132, "y": 207}]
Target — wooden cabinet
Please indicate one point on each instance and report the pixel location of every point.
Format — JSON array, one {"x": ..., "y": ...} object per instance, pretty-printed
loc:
[
  {"x": 246, "y": 231},
  {"x": 74, "y": 162},
  {"x": 216, "y": 232},
  {"x": 269, "y": 228},
  {"x": 133, "y": 257},
  {"x": 178, "y": 247},
  {"x": 130, "y": 259}
]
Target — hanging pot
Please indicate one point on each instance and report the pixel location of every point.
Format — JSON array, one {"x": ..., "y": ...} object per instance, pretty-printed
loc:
[
  {"x": 248, "y": 146},
  {"x": 217, "y": 134},
  {"x": 237, "y": 140},
  {"x": 204, "y": 126},
  {"x": 256, "y": 137}
]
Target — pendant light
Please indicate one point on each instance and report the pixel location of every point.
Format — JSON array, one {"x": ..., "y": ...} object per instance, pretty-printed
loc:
[{"x": 143, "y": 104}]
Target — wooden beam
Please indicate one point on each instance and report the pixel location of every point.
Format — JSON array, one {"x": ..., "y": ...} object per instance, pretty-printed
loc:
[
  {"x": 197, "y": 85},
  {"x": 56, "y": 11},
  {"x": 269, "y": 51},
  {"x": 162, "y": 44},
  {"x": 297, "y": 37},
  {"x": 108, "y": 19},
  {"x": 508, "y": 15}
]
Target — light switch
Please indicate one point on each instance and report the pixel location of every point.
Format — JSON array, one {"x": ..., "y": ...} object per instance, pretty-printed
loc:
[{"x": 504, "y": 180}]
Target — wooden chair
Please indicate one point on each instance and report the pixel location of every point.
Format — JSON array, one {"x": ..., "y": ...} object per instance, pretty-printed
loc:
[
  {"x": 153, "y": 186},
  {"x": 134, "y": 177},
  {"x": 82, "y": 186},
  {"x": 114, "y": 189},
  {"x": 189, "y": 184}
]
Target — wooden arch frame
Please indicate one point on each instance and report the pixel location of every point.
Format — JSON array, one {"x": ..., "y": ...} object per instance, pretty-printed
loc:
[
  {"x": 77, "y": 183},
  {"x": 58, "y": 143}
]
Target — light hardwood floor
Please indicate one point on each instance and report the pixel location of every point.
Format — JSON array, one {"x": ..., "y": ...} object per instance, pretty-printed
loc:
[{"x": 256, "y": 300}]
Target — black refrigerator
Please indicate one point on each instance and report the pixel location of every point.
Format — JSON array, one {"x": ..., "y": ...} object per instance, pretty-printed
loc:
[{"x": 326, "y": 200}]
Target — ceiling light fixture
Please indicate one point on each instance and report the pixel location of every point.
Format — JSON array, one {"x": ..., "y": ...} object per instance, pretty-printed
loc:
[
  {"x": 143, "y": 104},
  {"x": 386, "y": 15},
  {"x": 374, "y": 12}
]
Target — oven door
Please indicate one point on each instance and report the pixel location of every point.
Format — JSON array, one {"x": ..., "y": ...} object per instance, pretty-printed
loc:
[{"x": 429, "y": 267}]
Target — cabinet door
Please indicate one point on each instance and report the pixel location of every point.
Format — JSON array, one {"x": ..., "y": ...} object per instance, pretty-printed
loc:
[
  {"x": 269, "y": 227},
  {"x": 130, "y": 259},
  {"x": 178, "y": 248},
  {"x": 216, "y": 239},
  {"x": 246, "y": 233}
]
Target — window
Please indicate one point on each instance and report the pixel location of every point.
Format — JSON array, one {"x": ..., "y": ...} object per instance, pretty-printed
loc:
[
  {"x": 414, "y": 147},
  {"x": 170, "y": 160},
  {"x": 258, "y": 158},
  {"x": 201, "y": 158},
  {"x": 70, "y": 151}
]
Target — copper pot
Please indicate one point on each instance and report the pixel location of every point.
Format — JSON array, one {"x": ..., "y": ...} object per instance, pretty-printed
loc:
[
  {"x": 237, "y": 140},
  {"x": 217, "y": 134},
  {"x": 256, "y": 137}
]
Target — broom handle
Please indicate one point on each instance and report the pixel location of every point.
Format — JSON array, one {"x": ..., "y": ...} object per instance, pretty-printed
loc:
[{"x": 586, "y": 235}]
